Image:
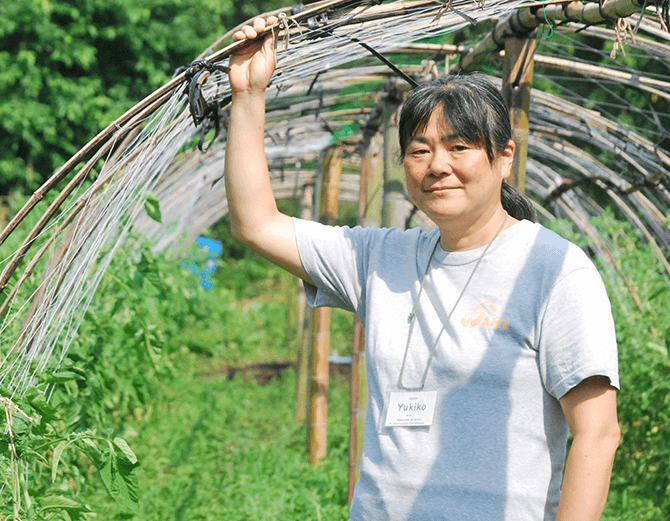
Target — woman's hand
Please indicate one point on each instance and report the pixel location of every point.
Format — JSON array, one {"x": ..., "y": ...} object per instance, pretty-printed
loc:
[{"x": 252, "y": 66}]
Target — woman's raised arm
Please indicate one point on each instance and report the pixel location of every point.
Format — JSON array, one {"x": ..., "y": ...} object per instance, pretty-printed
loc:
[{"x": 255, "y": 219}]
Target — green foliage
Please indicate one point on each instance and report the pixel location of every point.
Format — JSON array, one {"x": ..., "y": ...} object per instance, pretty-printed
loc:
[
  {"x": 640, "y": 487},
  {"x": 230, "y": 449},
  {"x": 147, "y": 311},
  {"x": 32, "y": 429},
  {"x": 153, "y": 209},
  {"x": 69, "y": 68},
  {"x": 116, "y": 463}
]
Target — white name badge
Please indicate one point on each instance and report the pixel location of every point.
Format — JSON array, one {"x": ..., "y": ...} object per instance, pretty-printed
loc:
[{"x": 411, "y": 409}]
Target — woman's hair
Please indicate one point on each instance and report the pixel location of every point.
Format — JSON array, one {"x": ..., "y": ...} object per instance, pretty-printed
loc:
[{"x": 475, "y": 111}]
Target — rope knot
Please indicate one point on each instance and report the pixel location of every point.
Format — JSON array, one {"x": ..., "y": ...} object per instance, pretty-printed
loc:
[{"x": 203, "y": 110}]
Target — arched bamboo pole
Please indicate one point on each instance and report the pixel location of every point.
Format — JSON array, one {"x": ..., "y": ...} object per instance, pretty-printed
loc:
[{"x": 523, "y": 21}]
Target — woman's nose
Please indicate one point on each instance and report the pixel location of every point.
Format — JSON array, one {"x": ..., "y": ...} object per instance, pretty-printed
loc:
[{"x": 440, "y": 163}]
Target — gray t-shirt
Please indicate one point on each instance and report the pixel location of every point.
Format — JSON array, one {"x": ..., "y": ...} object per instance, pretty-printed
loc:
[{"x": 533, "y": 323}]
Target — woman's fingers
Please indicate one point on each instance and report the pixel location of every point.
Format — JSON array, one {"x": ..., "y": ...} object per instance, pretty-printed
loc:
[
  {"x": 239, "y": 35},
  {"x": 252, "y": 65},
  {"x": 251, "y": 32},
  {"x": 259, "y": 25},
  {"x": 246, "y": 33}
]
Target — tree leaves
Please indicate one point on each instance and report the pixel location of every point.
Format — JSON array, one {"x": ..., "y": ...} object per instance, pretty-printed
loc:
[
  {"x": 62, "y": 377},
  {"x": 58, "y": 452},
  {"x": 68, "y": 69}
]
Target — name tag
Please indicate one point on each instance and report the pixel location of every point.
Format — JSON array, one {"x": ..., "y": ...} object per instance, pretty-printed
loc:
[{"x": 411, "y": 409}]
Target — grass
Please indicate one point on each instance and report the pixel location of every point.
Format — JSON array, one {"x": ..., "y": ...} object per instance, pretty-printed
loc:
[{"x": 215, "y": 449}]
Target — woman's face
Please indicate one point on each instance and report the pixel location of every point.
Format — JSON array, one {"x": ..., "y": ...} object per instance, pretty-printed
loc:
[{"x": 450, "y": 179}]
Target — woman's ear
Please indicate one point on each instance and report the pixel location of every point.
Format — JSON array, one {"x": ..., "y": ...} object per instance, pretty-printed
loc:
[{"x": 506, "y": 158}]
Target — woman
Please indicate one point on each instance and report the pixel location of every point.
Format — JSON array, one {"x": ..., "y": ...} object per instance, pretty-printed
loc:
[{"x": 487, "y": 338}]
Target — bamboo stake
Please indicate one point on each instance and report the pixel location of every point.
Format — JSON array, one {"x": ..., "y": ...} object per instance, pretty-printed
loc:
[
  {"x": 369, "y": 214},
  {"x": 318, "y": 393},
  {"x": 357, "y": 407},
  {"x": 393, "y": 208},
  {"x": 290, "y": 293},
  {"x": 372, "y": 168},
  {"x": 304, "y": 326},
  {"x": 517, "y": 84}
]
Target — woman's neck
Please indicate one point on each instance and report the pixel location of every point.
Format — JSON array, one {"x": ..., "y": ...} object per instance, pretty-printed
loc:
[{"x": 458, "y": 236}]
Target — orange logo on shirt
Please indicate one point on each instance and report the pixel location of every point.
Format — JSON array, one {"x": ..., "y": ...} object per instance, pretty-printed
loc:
[{"x": 485, "y": 315}]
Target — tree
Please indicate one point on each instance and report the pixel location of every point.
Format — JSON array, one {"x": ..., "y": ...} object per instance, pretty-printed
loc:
[{"x": 68, "y": 68}]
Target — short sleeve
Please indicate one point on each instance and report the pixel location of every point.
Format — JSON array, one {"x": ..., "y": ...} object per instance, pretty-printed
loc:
[
  {"x": 577, "y": 334},
  {"x": 335, "y": 258}
]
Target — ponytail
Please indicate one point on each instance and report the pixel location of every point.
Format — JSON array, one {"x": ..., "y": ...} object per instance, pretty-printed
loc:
[{"x": 516, "y": 204}]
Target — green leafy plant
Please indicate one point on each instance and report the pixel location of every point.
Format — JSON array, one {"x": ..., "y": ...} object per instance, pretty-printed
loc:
[
  {"x": 35, "y": 441},
  {"x": 640, "y": 488}
]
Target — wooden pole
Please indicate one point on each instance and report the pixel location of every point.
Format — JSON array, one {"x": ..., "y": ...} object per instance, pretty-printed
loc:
[
  {"x": 394, "y": 208},
  {"x": 318, "y": 390},
  {"x": 517, "y": 85},
  {"x": 369, "y": 214},
  {"x": 289, "y": 292},
  {"x": 372, "y": 183},
  {"x": 358, "y": 406},
  {"x": 318, "y": 393},
  {"x": 304, "y": 327}
]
